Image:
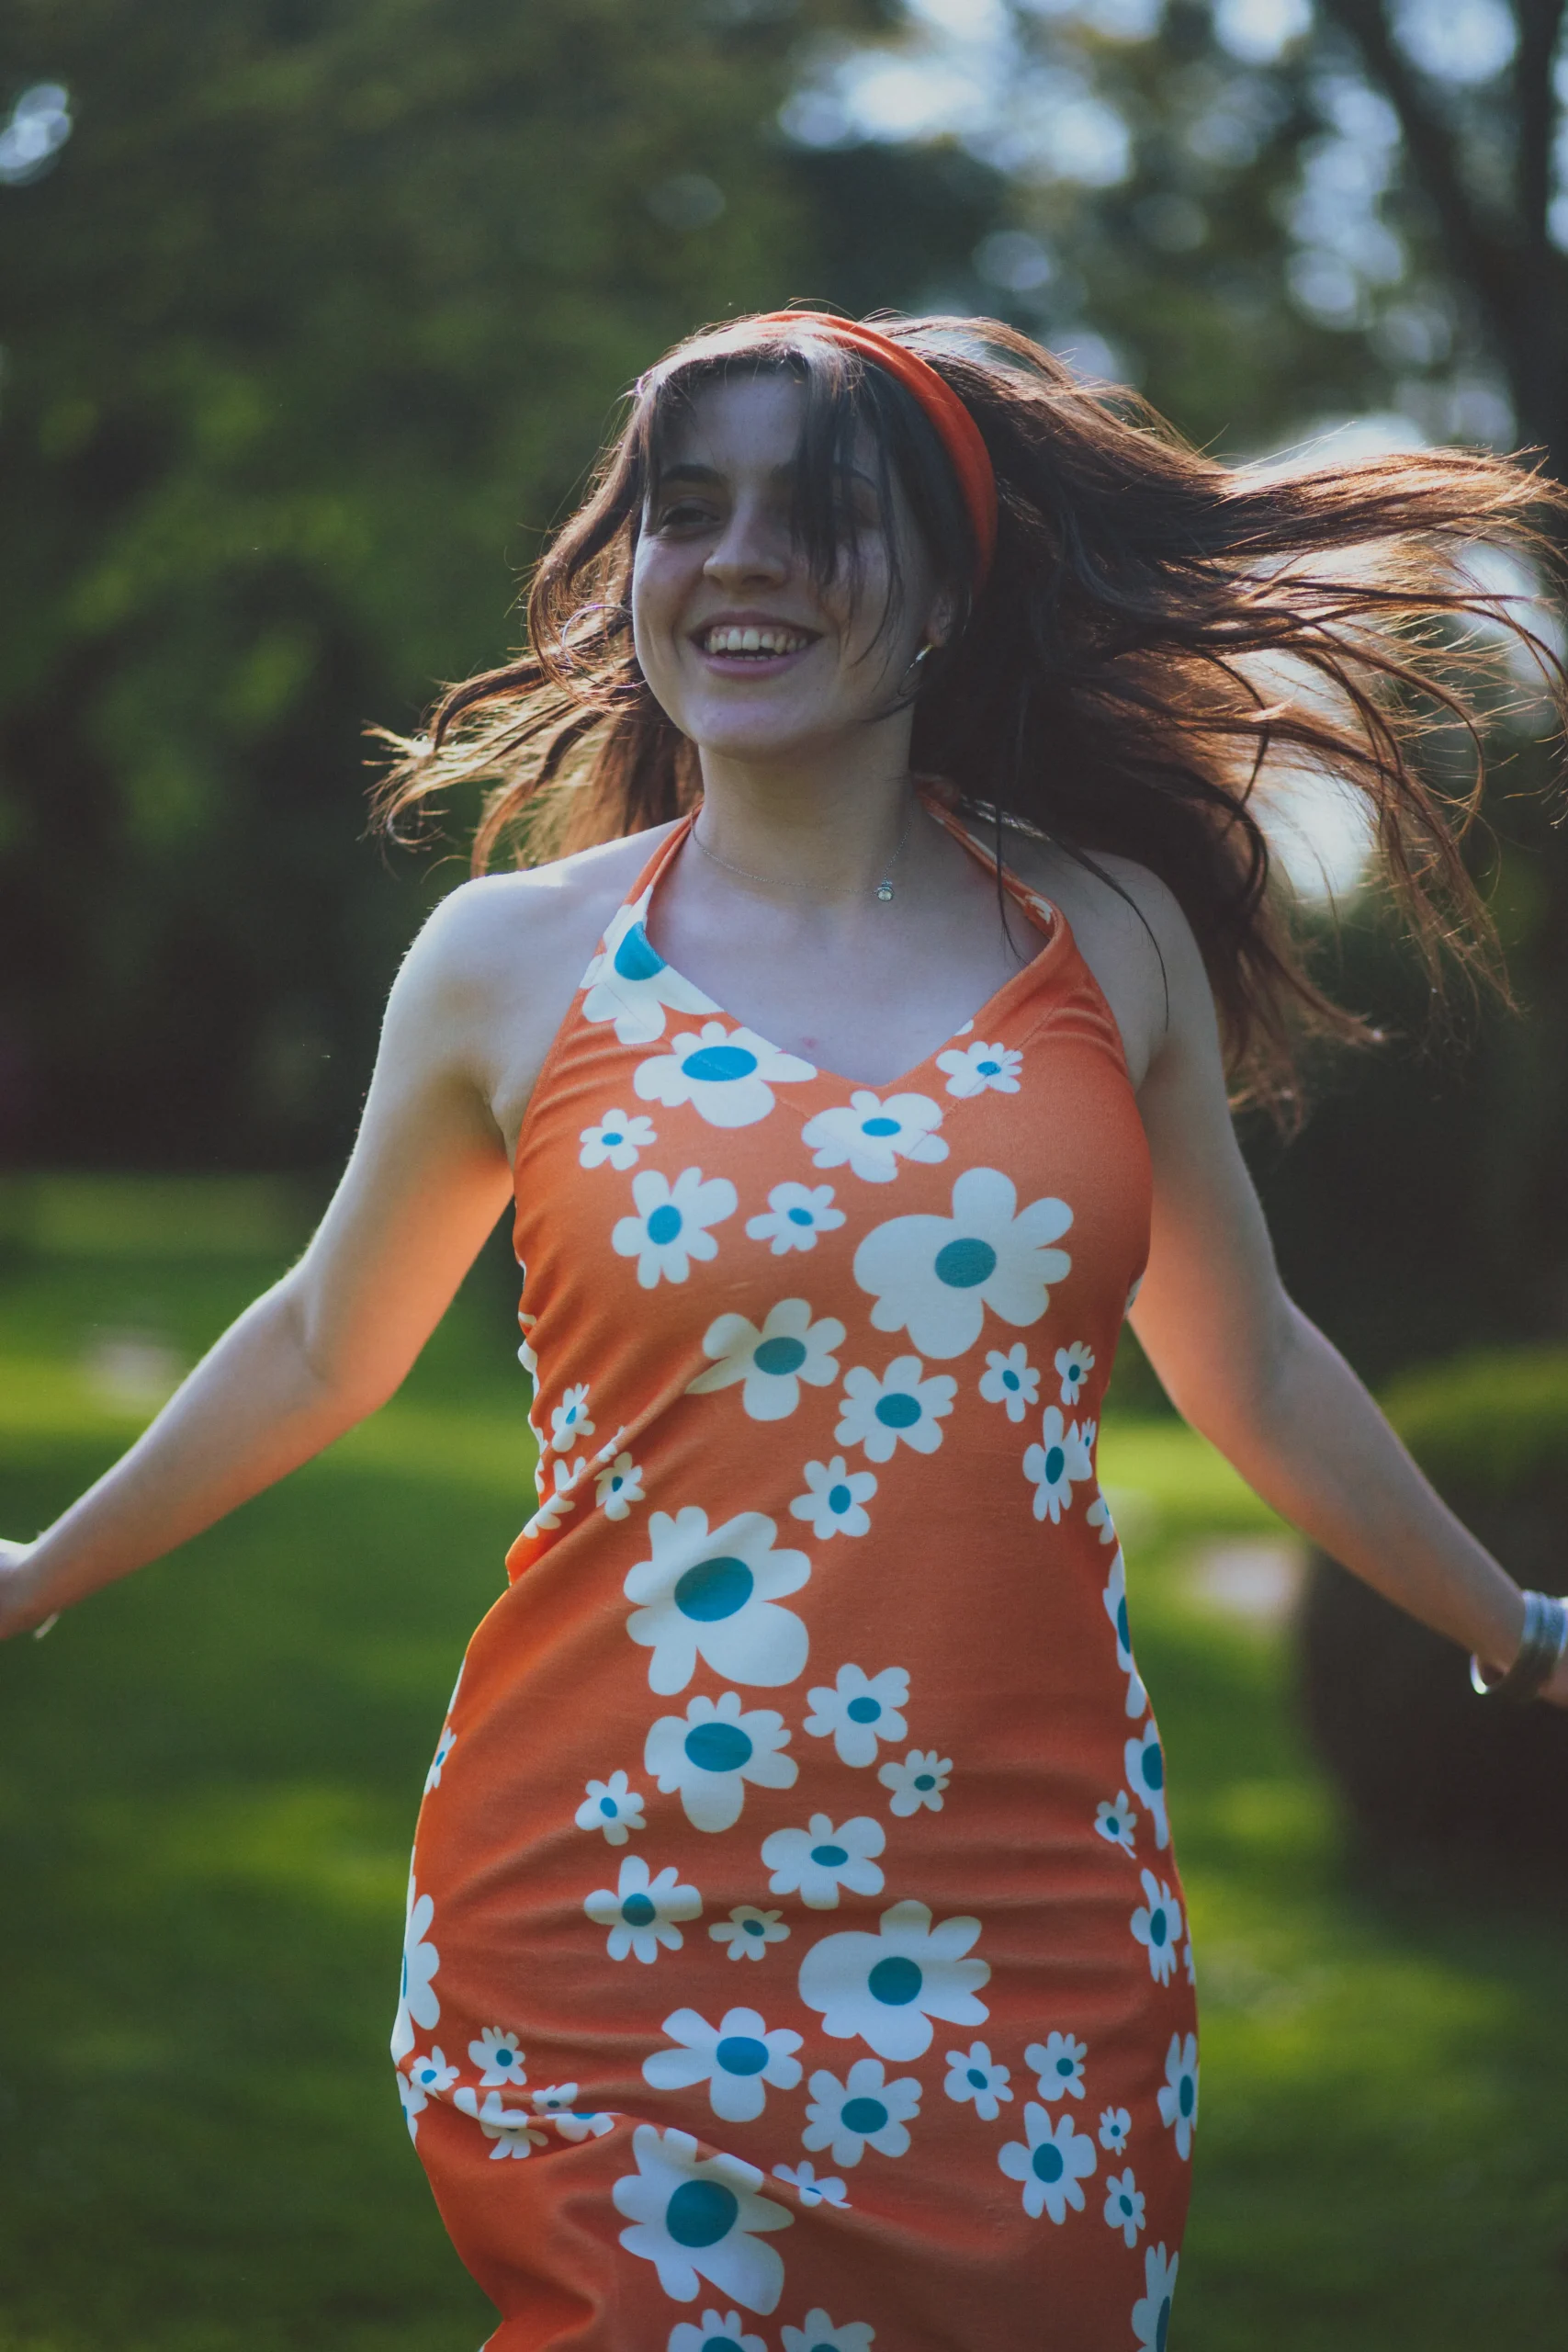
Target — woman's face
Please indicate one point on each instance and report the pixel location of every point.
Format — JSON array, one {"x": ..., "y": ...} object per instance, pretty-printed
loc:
[{"x": 747, "y": 654}]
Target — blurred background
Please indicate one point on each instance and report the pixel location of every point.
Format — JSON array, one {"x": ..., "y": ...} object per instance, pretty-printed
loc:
[{"x": 312, "y": 315}]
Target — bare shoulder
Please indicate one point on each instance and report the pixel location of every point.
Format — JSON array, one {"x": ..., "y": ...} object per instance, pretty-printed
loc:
[{"x": 1133, "y": 935}]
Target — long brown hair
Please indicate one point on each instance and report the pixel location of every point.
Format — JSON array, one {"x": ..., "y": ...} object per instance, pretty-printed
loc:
[{"x": 1116, "y": 683}]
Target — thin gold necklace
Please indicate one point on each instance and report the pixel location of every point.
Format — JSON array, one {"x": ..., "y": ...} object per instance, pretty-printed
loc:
[{"x": 883, "y": 890}]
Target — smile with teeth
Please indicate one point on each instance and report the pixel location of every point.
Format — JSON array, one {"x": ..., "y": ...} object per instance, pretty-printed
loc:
[{"x": 760, "y": 642}]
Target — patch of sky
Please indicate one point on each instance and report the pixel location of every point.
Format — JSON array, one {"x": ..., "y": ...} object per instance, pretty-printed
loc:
[
  {"x": 1467, "y": 42},
  {"x": 1258, "y": 32},
  {"x": 39, "y": 128},
  {"x": 1344, "y": 248}
]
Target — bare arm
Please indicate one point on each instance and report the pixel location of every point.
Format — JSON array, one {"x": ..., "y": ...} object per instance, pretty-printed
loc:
[
  {"x": 1244, "y": 1366},
  {"x": 329, "y": 1343}
]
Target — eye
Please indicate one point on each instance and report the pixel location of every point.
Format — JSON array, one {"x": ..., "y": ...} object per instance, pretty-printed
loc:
[{"x": 683, "y": 514}]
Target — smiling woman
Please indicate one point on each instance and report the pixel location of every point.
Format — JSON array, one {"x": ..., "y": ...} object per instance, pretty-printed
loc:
[{"x": 822, "y": 1600}]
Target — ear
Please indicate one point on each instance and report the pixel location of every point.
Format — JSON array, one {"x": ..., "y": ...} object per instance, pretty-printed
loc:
[{"x": 941, "y": 618}]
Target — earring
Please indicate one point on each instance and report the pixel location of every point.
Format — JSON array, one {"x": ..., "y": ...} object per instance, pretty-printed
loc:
[{"x": 923, "y": 655}]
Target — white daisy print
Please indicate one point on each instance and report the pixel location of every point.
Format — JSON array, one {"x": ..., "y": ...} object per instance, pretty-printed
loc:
[
  {"x": 820, "y": 2335},
  {"x": 1009, "y": 1379},
  {"x": 919, "y": 1781},
  {"x": 770, "y": 1363},
  {"x": 1144, "y": 1760},
  {"x": 418, "y": 2004},
  {"x": 748, "y": 1931},
  {"x": 1074, "y": 1365},
  {"x": 736, "y": 2058},
  {"x": 671, "y": 1225},
  {"x": 1190, "y": 1962},
  {"x": 711, "y": 1751},
  {"x": 629, "y": 982},
  {"x": 573, "y": 2122},
  {"x": 887, "y": 1987},
  {"x": 972, "y": 2074},
  {"x": 1116, "y": 1821},
  {"x": 1058, "y": 2063},
  {"x": 1051, "y": 2163},
  {"x": 498, "y": 2058},
  {"x": 935, "y": 1277},
  {"x": 525, "y": 1356},
  {"x": 570, "y": 1422},
  {"x": 613, "y": 1806},
  {"x": 431, "y": 2075},
  {"x": 1179, "y": 2092},
  {"x": 1157, "y": 1925},
  {"x": 720, "y": 2332},
  {"x": 640, "y": 1912},
  {"x": 975, "y": 1069},
  {"x": 615, "y": 1141},
  {"x": 567, "y": 1477},
  {"x": 1115, "y": 2124},
  {"x": 513, "y": 2129},
  {"x": 874, "y": 1136},
  {"x": 816, "y": 1862},
  {"x": 1151, "y": 2313},
  {"x": 862, "y": 2111},
  {"x": 903, "y": 1405},
  {"x": 727, "y": 1075},
  {"x": 835, "y": 1499},
  {"x": 714, "y": 1595},
  {"x": 860, "y": 1711},
  {"x": 1116, "y": 1609},
  {"x": 617, "y": 1486},
  {"x": 1098, "y": 1515},
  {"x": 794, "y": 1217},
  {"x": 1125, "y": 2206},
  {"x": 1061, "y": 1461},
  {"x": 696, "y": 2217},
  {"x": 413, "y": 2102},
  {"x": 802, "y": 2178},
  {"x": 444, "y": 1746}
]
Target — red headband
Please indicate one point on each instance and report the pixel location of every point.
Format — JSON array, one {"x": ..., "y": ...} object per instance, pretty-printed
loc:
[{"x": 956, "y": 429}]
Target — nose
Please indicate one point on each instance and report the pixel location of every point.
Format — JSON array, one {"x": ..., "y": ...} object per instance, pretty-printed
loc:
[{"x": 754, "y": 546}]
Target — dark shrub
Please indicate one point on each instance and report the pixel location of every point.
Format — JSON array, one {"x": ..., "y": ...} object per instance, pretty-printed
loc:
[{"x": 1424, "y": 1765}]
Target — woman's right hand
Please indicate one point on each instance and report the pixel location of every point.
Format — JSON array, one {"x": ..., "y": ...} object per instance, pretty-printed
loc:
[{"x": 21, "y": 1607}]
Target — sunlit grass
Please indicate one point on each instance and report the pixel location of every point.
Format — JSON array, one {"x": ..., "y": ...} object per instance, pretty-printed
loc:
[{"x": 207, "y": 1781}]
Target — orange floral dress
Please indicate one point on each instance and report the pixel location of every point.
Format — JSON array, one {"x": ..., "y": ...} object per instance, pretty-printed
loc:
[{"x": 795, "y": 1958}]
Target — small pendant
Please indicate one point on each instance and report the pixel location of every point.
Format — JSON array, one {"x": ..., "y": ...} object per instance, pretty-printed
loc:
[{"x": 884, "y": 891}]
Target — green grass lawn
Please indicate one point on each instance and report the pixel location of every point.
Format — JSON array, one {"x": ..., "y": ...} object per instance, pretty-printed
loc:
[{"x": 208, "y": 1785}]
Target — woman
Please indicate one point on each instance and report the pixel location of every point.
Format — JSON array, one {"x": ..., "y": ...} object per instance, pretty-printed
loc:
[{"x": 794, "y": 1889}]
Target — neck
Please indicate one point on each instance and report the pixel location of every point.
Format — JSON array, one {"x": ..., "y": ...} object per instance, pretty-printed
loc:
[{"x": 824, "y": 829}]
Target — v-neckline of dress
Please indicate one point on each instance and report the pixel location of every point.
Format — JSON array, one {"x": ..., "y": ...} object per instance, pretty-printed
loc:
[{"x": 1056, "y": 944}]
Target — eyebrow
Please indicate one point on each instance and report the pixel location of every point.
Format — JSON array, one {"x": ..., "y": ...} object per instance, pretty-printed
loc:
[{"x": 689, "y": 472}]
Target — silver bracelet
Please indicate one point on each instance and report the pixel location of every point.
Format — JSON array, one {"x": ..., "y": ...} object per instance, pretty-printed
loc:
[{"x": 1543, "y": 1643}]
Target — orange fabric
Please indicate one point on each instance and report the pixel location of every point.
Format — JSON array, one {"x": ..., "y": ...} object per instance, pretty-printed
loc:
[{"x": 796, "y": 1955}]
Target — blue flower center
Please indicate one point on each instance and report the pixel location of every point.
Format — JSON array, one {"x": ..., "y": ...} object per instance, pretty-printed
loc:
[
  {"x": 713, "y": 1065},
  {"x": 753, "y": 1927},
  {"x": 1011, "y": 1380},
  {"x": 720, "y": 2344},
  {"x": 863, "y": 1711},
  {"x": 1187, "y": 2097},
  {"x": 607, "y": 1807},
  {"x": 988, "y": 1070},
  {"x": 829, "y": 1856},
  {"x": 739, "y": 2053},
  {"x": 1056, "y": 1460},
  {"x": 1124, "y": 1631},
  {"x": 1067, "y": 2068},
  {"x": 1153, "y": 1766},
  {"x": 1158, "y": 1926},
  {"x": 925, "y": 1779},
  {"x": 1162, "y": 2325},
  {"x": 700, "y": 2213},
  {"x": 637, "y": 1911},
  {"x": 1046, "y": 2162},
  {"x": 616, "y": 1482},
  {"x": 961, "y": 1264},
  {"x": 863, "y": 2115},
  {"x": 977, "y": 2079},
  {"x": 839, "y": 1499},
  {"x": 895, "y": 1981},
  {"x": 779, "y": 1356},
  {"x": 637, "y": 958},
  {"x": 504, "y": 2057},
  {"x": 717, "y": 1747},
  {"x": 664, "y": 1223},
  {"x": 713, "y": 1589},
  {"x": 898, "y": 1412},
  {"x": 608, "y": 1135},
  {"x": 879, "y": 1126},
  {"x": 800, "y": 1216}
]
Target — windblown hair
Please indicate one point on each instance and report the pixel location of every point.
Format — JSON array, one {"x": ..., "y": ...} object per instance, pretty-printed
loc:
[{"x": 1159, "y": 637}]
